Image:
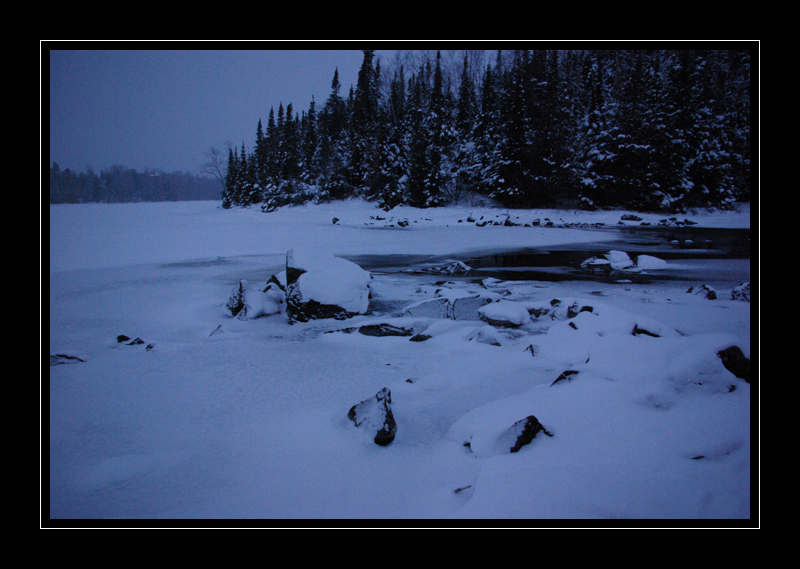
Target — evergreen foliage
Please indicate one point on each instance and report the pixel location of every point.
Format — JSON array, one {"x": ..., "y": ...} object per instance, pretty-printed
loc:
[
  {"x": 120, "y": 184},
  {"x": 637, "y": 129}
]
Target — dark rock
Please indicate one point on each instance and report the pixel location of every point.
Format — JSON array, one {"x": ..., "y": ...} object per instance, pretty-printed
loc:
[
  {"x": 641, "y": 331},
  {"x": 574, "y": 309},
  {"x": 741, "y": 292},
  {"x": 735, "y": 362},
  {"x": 420, "y": 338},
  {"x": 313, "y": 310},
  {"x": 135, "y": 342},
  {"x": 376, "y": 415},
  {"x": 61, "y": 359},
  {"x": 402, "y": 223},
  {"x": 703, "y": 290},
  {"x": 122, "y": 338},
  {"x": 565, "y": 376},
  {"x": 630, "y": 217},
  {"x": 382, "y": 330},
  {"x": 525, "y": 431},
  {"x": 335, "y": 220},
  {"x": 275, "y": 281}
]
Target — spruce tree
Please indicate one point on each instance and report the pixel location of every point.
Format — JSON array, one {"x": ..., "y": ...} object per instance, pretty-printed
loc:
[{"x": 228, "y": 193}]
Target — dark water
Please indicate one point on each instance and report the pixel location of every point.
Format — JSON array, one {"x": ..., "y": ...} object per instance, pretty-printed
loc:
[{"x": 691, "y": 253}]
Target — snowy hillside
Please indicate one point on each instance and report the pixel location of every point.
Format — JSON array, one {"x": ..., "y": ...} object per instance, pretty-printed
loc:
[{"x": 213, "y": 416}]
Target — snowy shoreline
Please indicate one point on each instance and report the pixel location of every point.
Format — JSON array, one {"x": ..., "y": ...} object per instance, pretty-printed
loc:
[
  {"x": 230, "y": 418},
  {"x": 111, "y": 235}
]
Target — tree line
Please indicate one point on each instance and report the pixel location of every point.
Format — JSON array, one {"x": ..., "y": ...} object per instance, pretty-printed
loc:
[
  {"x": 660, "y": 130},
  {"x": 121, "y": 184}
]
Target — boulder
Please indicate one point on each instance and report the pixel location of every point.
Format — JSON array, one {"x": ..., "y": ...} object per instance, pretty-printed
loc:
[
  {"x": 650, "y": 262},
  {"x": 596, "y": 265},
  {"x": 246, "y": 302},
  {"x": 735, "y": 362},
  {"x": 376, "y": 417},
  {"x": 383, "y": 330},
  {"x": 434, "y": 308},
  {"x": 620, "y": 260},
  {"x": 741, "y": 292},
  {"x": 60, "y": 359},
  {"x": 467, "y": 308},
  {"x": 704, "y": 290},
  {"x": 484, "y": 335},
  {"x": 565, "y": 376},
  {"x": 505, "y": 314},
  {"x": 521, "y": 433},
  {"x": 457, "y": 268},
  {"x": 320, "y": 285}
]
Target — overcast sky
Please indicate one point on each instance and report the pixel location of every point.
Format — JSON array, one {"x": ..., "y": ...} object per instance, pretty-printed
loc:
[{"x": 164, "y": 109}]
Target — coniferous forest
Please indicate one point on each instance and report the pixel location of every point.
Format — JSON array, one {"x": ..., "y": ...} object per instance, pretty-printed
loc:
[
  {"x": 650, "y": 130},
  {"x": 119, "y": 184}
]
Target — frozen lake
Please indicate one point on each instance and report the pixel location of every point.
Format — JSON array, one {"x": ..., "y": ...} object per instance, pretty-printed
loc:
[{"x": 225, "y": 418}]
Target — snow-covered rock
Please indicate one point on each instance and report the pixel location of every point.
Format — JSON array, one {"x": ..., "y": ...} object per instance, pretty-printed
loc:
[
  {"x": 375, "y": 416},
  {"x": 484, "y": 335},
  {"x": 433, "y": 308},
  {"x": 505, "y": 313},
  {"x": 319, "y": 285},
  {"x": 704, "y": 290},
  {"x": 453, "y": 304},
  {"x": 620, "y": 261},
  {"x": 650, "y": 262},
  {"x": 246, "y": 302},
  {"x": 741, "y": 292}
]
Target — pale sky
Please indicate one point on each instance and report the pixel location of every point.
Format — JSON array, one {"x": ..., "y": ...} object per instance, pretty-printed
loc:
[{"x": 163, "y": 109}]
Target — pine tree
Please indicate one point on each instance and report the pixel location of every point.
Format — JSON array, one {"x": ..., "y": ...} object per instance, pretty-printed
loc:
[
  {"x": 389, "y": 182},
  {"x": 434, "y": 130},
  {"x": 291, "y": 146},
  {"x": 364, "y": 121},
  {"x": 333, "y": 125},
  {"x": 487, "y": 136},
  {"x": 416, "y": 142},
  {"x": 310, "y": 144}
]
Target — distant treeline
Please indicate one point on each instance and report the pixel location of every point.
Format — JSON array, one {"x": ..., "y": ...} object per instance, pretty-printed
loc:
[
  {"x": 119, "y": 184},
  {"x": 642, "y": 129}
]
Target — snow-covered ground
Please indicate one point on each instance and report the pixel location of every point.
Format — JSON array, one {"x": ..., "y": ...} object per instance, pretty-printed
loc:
[{"x": 219, "y": 417}]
